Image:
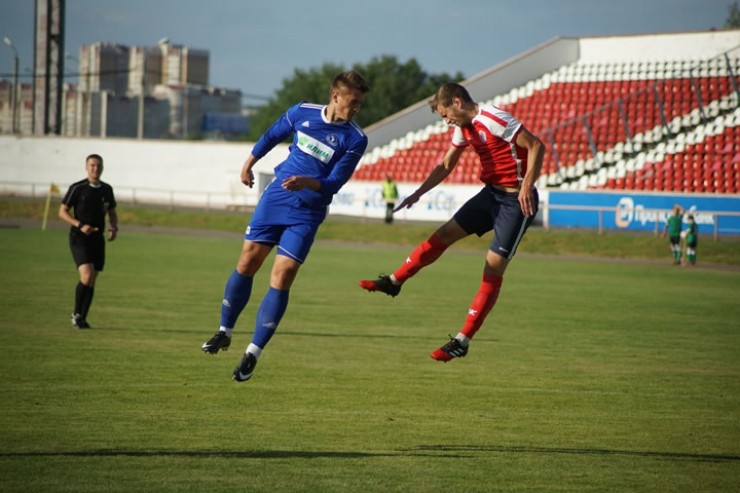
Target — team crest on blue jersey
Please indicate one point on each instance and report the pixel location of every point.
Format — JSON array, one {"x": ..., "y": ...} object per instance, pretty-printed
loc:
[{"x": 332, "y": 139}]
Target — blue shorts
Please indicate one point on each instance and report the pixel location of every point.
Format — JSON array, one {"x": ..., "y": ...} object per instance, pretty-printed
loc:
[
  {"x": 492, "y": 209},
  {"x": 283, "y": 219}
]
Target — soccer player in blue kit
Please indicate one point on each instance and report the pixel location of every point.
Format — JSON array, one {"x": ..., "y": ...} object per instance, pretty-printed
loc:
[{"x": 326, "y": 148}]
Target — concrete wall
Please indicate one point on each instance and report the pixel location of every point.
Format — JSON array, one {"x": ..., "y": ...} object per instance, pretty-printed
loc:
[
  {"x": 666, "y": 47},
  {"x": 197, "y": 174},
  {"x": 154, "y": 171}
]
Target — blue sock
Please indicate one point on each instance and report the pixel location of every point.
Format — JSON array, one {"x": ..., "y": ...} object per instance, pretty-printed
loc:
[
  {"x": 269, "y": 314},
  {"x": 236, "y": 295}
]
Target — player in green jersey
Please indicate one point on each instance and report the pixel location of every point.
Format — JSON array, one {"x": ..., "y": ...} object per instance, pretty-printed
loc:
[
  {"x": 692, "y": 237},
  {"x": 673, "y": 226}
]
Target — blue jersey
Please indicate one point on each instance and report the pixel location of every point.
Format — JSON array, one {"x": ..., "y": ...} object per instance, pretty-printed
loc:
[{"x": 321, "y": 149}]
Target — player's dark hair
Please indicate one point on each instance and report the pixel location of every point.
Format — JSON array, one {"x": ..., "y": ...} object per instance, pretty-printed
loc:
[
  {"x": 351, "y": 79},
  {"x": 446, "y": 93},
  {"x": 94, "y": 156}
]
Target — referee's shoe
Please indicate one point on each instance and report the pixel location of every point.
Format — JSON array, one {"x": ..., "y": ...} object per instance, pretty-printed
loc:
[{"x": 78, "y": 322}]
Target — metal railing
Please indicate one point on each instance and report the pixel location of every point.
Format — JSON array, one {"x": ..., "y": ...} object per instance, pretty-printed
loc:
[{"x": 139, "y": 195}]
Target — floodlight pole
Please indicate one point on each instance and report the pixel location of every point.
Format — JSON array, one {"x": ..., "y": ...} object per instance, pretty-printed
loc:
[
  {"x": 140, "y": 120},
  {"x": 14, "y": 124}
]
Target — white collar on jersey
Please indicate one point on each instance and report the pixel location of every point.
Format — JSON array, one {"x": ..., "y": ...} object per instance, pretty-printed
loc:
[{"x": 325, "y": 117}]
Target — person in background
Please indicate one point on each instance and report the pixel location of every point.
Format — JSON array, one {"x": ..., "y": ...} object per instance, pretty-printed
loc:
[
  {"x": 673, "y": 226},
  {"x": 390, "y": 196},
  {"x": 692, "y": 239},
  {"x": 511, "y": 160},
  {"x": 84, "y": 208},
  {"x": 327, "y": 147}
]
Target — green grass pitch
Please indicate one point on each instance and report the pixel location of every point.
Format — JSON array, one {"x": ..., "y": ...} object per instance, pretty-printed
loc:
[{"x": 588, "y": 376}]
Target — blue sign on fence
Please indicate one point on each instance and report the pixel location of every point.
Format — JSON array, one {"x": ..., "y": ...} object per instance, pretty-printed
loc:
[{"x": 641, "y": 211}]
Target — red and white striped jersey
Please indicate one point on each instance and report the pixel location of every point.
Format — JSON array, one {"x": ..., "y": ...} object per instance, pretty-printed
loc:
[{"x": 493, "y": 135}]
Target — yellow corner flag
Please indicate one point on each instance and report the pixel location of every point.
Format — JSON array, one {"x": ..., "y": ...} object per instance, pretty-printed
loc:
[{"x": 53, "y": 188}]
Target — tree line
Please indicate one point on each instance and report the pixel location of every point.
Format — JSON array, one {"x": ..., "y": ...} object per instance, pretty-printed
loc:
[{"x": 394, "y": 85}]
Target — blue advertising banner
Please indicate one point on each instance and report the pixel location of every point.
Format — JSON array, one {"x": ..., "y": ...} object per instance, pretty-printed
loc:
[{"x": 714, "y": 214}]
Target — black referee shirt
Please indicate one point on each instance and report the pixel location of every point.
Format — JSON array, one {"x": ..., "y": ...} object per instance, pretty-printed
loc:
[{"x": 89, "y": 202}]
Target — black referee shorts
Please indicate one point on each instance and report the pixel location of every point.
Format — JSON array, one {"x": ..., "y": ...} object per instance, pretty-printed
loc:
[{"x": 88, "y": 249}]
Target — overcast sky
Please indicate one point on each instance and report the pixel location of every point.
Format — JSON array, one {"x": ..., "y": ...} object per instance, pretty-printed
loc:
[{"x": 255, "y": 45}]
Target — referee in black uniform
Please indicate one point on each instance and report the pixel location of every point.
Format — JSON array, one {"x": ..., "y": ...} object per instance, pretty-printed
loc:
[{"x": 84, "y": 207}]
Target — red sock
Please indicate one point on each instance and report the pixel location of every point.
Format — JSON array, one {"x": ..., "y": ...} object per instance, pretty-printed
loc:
[
  {"x": 427, "y": 252},
  {"x": 482, "y": 304}
]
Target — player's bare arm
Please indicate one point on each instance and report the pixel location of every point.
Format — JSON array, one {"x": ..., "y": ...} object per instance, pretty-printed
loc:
[
  {"x": 113, "y": 227},
  {"x": 247, "y": 175},
  {"x": 535, "y": 154},
  {"x": 65, "y": 216},
  {"x": 435, "y": 177}
]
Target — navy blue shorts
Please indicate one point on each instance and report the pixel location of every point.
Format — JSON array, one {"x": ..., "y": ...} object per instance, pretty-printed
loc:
[
  {"x": 492, "y": 209},
  {"x": 283, "y": 219}
]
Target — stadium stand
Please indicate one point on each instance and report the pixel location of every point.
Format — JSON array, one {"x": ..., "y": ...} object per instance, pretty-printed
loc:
[{"x": 662, "y": 124}]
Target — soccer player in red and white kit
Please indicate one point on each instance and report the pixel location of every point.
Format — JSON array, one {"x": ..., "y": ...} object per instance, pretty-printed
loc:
[{"x": 511, "y": 160}]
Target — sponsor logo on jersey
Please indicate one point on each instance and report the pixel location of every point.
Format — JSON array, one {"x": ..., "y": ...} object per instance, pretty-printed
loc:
[{"x": 314, "y": 148}]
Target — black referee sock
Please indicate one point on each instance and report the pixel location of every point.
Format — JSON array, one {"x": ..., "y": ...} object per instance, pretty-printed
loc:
[
  {"x": 87, "y": 298},
  {"x": 79, "y": 295}
]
